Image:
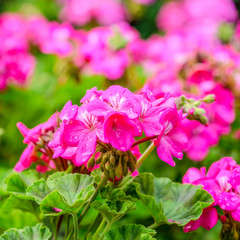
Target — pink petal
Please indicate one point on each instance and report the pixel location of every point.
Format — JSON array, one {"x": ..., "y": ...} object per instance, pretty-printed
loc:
[
  {"x": 192, "y": 175},
  {"x": 98, "y": 107},
  {"x": 86, "y": 147},
  {"x": 26, "y": 159},
  {"x": 72, "y": 133},
  {"x": 228, "y": 201},
  {"x": 119, "y": 130},
  {"x": 23, "y": 129},
  {"x": 164, "y": 153}
]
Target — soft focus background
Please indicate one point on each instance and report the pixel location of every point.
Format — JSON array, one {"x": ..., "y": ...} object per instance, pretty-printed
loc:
[{"x": 58, "y": 65}]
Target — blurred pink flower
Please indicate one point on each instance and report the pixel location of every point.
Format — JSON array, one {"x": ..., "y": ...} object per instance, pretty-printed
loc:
[{"x": 81, "y": 12}]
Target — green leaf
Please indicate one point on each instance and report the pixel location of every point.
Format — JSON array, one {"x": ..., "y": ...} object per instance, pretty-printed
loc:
[
  {"x": 114, "y": 195},
  {"x": 38, "y": 190},
  {"x": 4, "y": 172},
  {"x": 130, "y": 232},
  {"x": 22, "y": 204},
  {"x": 170, "y": 202},
  {"x": 113, "y": 211},
  {"x": 65, "y": 192},
  {"x": 38, "y": 232},
  {"x": 19, "y": 182}
]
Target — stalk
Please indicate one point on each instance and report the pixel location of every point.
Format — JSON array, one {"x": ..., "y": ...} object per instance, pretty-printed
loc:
[
  {"x": 75, "y": 225},
  {"x": 145, "y": 154}
]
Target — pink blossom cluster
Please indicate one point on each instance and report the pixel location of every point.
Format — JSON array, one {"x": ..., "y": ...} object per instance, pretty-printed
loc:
[
  {"x": 196, "y": 78},
  {"x": 16, "y": 63},
  {"x": 222, "y": 181},
  {"x": 81, "y": 12},
  {"x": 107, "y": 50},
  {"x": 199, "y": 17},
  {"x": 112, "y": 118},
  {"x": 190, "y": 59},
  {"x": 36, "y": 151},
  {"x": 104, "y": 12},
  {"x": 17, "y": 34},
  {"x": 50, "y": 37}
]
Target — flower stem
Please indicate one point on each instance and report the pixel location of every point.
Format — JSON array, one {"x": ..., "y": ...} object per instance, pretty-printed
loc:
[
  {"x": 100, "y": 228},
  {"x": 142, "y": 140},
  {"x": 93, "y": 197},
  {"x": 145, "y": 154},
  {"x": 75, "y": 225},
  {"x": 154, "y": 225},
  {"x": 105, "y": 230},
  {"x": 94, "y": 224}
]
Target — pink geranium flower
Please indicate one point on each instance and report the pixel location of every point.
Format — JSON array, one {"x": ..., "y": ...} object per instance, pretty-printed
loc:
[
  {"x": 120, "y": 130},
  {"x": 33, "y": 137},
  {"x": 81, "y": 12},
  {"x": 172, "y": 139},
  {"x": 222, "y": 182}
]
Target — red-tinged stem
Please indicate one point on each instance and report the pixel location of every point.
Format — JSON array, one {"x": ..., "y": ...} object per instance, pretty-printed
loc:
[{"x": 143, "y": 140}]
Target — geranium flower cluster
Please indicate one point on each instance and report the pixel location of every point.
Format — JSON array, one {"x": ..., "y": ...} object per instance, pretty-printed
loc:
[
  {"x": 183, "y": 62},
  {"x": 108, "y": 50},
  {"x": 16, "y": 63},
  {"x": 84, "y": 12},
  {"x": 222, "y": 182},
  {"x": 107, "y": 123}
]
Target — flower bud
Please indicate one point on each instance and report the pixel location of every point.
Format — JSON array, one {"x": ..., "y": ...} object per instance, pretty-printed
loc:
[
  {"x": 210, "y": 98},
  {"x": 91, "y": 162},
  {"x": 118, "y": 170},
  {"x": 112, "y": 160},
  {"x": 99, "y": 159}
]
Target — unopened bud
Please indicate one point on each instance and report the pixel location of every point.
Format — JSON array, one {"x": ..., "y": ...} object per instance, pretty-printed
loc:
[
  {"x": 203, "y": 120},
  {"x": 132, "y": 166},
  {"x": 99, "y": 159},
  {"x": 119, "y": 153},
  {"x": 210, "y": 98},
  {"x": 124, "y": 168},
  {"x": 106, "y": 174},
  {"x": 105, "y": 158},
  {"x": 133, "y": 158},
  {"x": 118, "y": 170},
  {"x": 112, "y": 160},
  {"x": 91, "y": 162},
  {"x": 199, "y": 111},
  {"x": 197, "y": 103},
  {"x": 111, "y": 173}
]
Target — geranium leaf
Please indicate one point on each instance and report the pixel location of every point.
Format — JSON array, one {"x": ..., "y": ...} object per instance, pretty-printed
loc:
[
  {"x": 22, "y": 204},
  {"x": 38, "y": 232},
  {"x": 62, "y": 193},
  {"x": 112, "y": 211},
  {"x": 170, "y": 202},
  {"x": 130, "y": 232},
  {"x": 19, "y": 182}
]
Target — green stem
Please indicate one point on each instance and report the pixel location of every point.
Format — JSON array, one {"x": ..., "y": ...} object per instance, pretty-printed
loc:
[
  {"x": 154, "y": 225},
  {"x": 94, "y": 224},
  {"x": 105, "y": 230},
  {"x": 93, "y": 197},
  {"x": 145, "y": 155},
  {"x": 101, "y": 226},
  {"x": 67, "y": 226},
  {"x": 75, "y": 225}
]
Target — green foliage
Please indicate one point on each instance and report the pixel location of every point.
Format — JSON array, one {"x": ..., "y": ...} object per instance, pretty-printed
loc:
[
  {"x": 113, "y": 211},
  {"x": 38, "y": 232},
  {"x": 170, "y": 202},
  {"x": 67, "y": 192},
  {"x": 130, "y": 232}
]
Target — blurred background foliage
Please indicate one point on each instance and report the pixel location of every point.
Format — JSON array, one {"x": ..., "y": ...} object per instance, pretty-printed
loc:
[{"x": 51, "y": 88}]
